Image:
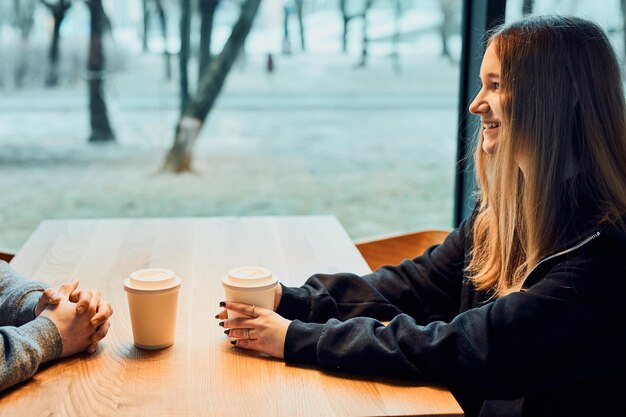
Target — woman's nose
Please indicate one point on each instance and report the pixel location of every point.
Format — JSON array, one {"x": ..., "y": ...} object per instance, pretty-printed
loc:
[{"x": 478, "y": 106}]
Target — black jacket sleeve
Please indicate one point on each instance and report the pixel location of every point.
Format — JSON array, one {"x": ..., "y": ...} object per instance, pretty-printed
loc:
[
  {"x": 568, "y": 327},
  {"x": 427, "y": 288}
]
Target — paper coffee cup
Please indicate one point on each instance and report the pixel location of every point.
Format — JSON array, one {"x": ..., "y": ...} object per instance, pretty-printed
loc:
[
  {"x": 251, "y": 285},
  {"x": 152, "y": 300}
]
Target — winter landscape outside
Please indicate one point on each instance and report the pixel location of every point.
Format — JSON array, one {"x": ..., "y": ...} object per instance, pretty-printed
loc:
[{"x": 369, "y": 138}]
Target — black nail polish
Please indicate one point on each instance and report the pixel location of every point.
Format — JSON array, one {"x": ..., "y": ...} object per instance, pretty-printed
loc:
[
  {"x": 222, "y": 303},
  {"x": 217, "y": 316},
  {"x": 233, "y": 342},
  {"x": 227, "y": 331},
  {"x": 221, "y": 323}
]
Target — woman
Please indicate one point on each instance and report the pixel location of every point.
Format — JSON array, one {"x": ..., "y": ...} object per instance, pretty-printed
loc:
[{"x": 522, "y": 310}]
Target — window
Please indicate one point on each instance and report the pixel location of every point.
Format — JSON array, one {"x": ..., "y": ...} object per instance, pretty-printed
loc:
[
  {"x": 610, "y": 14},
  {"x": 369, "y": 137}
]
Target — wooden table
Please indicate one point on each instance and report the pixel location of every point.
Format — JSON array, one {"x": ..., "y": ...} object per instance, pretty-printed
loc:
[{"x": 202, "y": 374}]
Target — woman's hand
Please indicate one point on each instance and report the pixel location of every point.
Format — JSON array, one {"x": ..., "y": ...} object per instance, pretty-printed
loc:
[
  {"x": 277, "y": 295},
  {"x": 260, "y": 329}
]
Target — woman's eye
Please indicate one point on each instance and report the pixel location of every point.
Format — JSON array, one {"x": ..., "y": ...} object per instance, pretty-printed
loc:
[{"x": 495, "y": 85}]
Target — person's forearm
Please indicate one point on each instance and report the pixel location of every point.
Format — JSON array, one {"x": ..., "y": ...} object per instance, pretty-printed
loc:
[
  {"x": 428, "y": 288},
  {"x": 24, "y": 348},
  {"x": 18, "y": 297},
  {"x": 325, "y": 296}
]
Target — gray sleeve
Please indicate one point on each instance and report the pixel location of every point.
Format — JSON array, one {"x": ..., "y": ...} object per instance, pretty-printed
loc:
[
  {"x": 25, "y": 341},
  {"x": 24, "y": 348},
  {"x": 18, "y": 297}
]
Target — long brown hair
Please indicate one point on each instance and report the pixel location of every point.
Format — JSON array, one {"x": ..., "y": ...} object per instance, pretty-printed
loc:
[{"x": 564, "y": 121}]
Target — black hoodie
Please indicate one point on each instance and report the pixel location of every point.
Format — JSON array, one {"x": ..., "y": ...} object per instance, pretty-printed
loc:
[{"x": 556, "y": 348}]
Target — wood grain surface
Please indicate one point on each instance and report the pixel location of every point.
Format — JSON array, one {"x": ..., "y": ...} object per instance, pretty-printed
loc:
[{"x": 201, "y": 374}]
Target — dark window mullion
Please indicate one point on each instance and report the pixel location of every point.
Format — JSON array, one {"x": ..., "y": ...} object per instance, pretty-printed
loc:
[{"x": 479, "y": 16}]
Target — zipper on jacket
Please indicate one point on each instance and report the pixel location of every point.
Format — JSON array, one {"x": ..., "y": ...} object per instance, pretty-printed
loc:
[{"x": 563, "y": 252}]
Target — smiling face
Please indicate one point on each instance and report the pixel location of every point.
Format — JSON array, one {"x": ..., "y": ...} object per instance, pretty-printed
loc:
[{"x": 487, "y": 103}]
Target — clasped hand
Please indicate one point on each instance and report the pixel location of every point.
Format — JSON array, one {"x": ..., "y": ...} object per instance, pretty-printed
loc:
[{"x": 80, "y": 315}]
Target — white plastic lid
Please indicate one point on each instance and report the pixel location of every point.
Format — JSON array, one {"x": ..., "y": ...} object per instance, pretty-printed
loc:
[
  {"x": 253, "y": 277},
  {"x": 153, "y": 279}
]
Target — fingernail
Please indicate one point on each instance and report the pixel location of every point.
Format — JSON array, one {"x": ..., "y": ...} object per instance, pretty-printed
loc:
[
  {"x": 222, "y": 303},
  {"x": 92, "y": 350},
  {"x": 217, "y": 316},
  {"x": 233, "y": 342},
  {"x": 80, "y": 310},
  {"x": 221, "y": 323},
  {"x": 55, "y": 298},
  {"x": 227, "y": 331}
]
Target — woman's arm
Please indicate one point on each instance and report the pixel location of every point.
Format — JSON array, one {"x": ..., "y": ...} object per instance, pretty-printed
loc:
[
  {"x": 567, "y": 328},
  {"x": 427, "y": 288}
]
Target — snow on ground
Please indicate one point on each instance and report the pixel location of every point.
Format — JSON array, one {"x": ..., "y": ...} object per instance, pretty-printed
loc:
[
  {"x": 370, "y": 145},
  {"x": 380, "y": 161}
]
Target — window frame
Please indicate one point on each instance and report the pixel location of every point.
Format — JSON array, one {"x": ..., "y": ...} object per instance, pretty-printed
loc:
[{"x": 478, "y": 18}]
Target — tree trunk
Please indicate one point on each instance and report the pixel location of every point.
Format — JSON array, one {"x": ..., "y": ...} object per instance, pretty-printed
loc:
[
  {"x": 183, "y": 56},
  {"x": 207, "y": 14},
  {"x": 179, "y": 156},
  {"x": 25, "y": 19},
  {"x": 53, "y": 54},
  {"x": 58, "y": 11},
  {"x": 286, "y": 41},
  {"x": 365, "y": 39},
  {"x": 346, "y": 20},
  {"x": 100, "y": 127},
  {"x": 24, "y": 16},
  {"x": 146, "y": 25},
  {"x": 163, "y": 25},
  {"x": 395, "y": 54},
  {"x": 527, "y": 7},
  {"x": 299, "y": 7},
  {"x": 166, "y": 52},
  {"x": 447, "y": 9}
]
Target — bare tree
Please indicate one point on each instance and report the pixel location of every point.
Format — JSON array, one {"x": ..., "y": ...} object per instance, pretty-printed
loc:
[
  {"x": 100, "y": 127},
  {"x": 395, "y": 54},
  {"x": 24, "y": 20},
  {"x": 447, "y": 24},
  {"x": 343, "y": 6},
  {"x": 347, "y": 17},
  {"x": 527, "y": 7},
  {"x": 286, "y": 39},
  {"x": 58, "y": 10},
  {"x": 364, "y": 38},
  {"x": 158, "y": 4},
  {"x": 146, "y": 24},
  {"x": 290, "y": 7},
  {"x": 207, "y": 16},
  {"x": 183, "y": 55},
  {"x": 299, "y": 13},
  {"x": 179, "y": 156}
]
